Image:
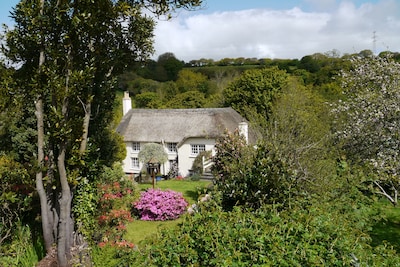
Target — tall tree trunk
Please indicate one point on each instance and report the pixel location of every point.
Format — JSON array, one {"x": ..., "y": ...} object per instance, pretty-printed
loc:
[
  {"x": 39, "y": 113},
  {"x": 64, "y": 229},
  {"x": 44, "y": 204},
  {"x": 65, "y": 223},
  {"x": 86, "y": 122}
]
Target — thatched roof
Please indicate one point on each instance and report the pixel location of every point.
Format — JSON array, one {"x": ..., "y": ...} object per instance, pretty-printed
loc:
[{"x": 176, "y": 125}]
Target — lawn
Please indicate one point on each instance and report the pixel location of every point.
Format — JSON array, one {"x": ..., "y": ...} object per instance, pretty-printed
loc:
[
  {"x": 189, "y": 189},
  {"x": 140, "y": 230},
  {"x": 388, "y": 228}
]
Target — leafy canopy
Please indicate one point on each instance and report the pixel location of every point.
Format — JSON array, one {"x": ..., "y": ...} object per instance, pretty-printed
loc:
[
  {"x": 253, "y": 93},
  {"x": 153, "y": 152}
]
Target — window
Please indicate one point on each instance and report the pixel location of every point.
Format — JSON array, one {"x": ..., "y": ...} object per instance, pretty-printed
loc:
[
  {"x": 196, "y": 149},
  {"x": 171, "y": 147},
  {"x": 135, "y": 147},
  {"x": 135, "y": 163}
]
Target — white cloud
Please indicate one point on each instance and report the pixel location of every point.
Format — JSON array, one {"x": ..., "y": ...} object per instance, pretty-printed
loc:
[
  {"x": 290, "y": 33},
  {"x": 322, "y": 4}
]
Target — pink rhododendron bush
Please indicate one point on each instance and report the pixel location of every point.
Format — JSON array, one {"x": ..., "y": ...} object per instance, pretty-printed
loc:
[{"x": 158, "y": 205}]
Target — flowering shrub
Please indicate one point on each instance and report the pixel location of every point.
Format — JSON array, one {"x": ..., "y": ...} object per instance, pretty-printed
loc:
[
  {"x": 158, "y": 205},
  {"x": 113, "y": 195},
  {"x": 117, "y": 244},
  {"x": 114, "y": 212},
  {"x": 116, "y": 219}
]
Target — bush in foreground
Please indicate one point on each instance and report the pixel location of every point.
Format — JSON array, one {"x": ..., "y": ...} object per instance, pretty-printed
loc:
[{"x": 312, "y": 236}]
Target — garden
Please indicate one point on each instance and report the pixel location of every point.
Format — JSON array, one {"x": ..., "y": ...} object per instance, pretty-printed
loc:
[
  {"x": 132, "y": 213},
  {"x": 257, "y": 212},
  {"x": 194, "y": 223},
  {"x": 260, "y": 210}
]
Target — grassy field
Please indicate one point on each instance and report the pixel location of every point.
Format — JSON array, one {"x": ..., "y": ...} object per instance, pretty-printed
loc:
[{"x": 140, "y": 230}]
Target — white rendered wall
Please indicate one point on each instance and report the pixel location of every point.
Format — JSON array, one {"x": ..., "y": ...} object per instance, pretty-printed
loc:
[{"x": 185, "y": 161}]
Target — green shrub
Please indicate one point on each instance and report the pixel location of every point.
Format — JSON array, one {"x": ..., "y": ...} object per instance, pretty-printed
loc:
[
  {"x": 195, "y": 177},
  {"x": 85, "y": 207},
  {"x": 251, "y": 176},
  {"x": 16, "y": 190},
  {"x": 114, "y": 255},
  {"x": 23, "y": 250},
  {"x": 313, "y": 235}
]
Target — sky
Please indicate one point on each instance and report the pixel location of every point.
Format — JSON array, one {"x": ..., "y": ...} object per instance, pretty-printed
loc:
[{"x": 284, "y": 29}]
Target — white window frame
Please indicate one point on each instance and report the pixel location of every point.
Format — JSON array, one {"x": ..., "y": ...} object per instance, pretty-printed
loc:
[
  {"x": 135, "y": 163},
  {"x": 172, "y": 147},
  {"x": 196, "y": 149},
  {"x": 135, "y": 147}
]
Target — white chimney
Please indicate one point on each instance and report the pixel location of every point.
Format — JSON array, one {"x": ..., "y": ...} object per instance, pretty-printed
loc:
[
  {"x": 244, "y": 130},
  {"x": 126, "y": 103}
]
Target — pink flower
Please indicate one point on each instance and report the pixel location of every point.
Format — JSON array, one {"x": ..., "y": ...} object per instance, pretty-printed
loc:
[{"x": 158, "y": 205}]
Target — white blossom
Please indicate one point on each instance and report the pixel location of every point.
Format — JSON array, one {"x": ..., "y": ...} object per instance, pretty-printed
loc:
[{"x": 368, "y": 121}]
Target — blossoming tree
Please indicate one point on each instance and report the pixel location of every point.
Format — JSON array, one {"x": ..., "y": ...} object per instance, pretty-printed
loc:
[{"x": 369, "y": 124}]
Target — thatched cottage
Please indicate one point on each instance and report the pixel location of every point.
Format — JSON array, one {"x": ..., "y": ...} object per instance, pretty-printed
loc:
[{"x": 184, "y": 133}]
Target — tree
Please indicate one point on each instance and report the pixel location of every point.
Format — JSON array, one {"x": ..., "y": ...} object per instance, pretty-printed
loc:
[
  {"x": 189, "y": 99},
  {"x": 147, "y": 100},
  {"x": 168, "y": 67},
  {"x": 310, "y": 64},
  {"x": 193, "y": 81},
  {"x": 153, "y": 152},
  {"x": 369, "y": 119},
  {"x": 299, "y": 131},
  {"x": 17, "y": 125},
  {"x": 68, "y": 53},
  {"x": 253, "y": 93}
]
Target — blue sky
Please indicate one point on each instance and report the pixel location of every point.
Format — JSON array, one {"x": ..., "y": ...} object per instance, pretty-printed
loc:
[
  {"x": 274, "y": 28},
  {"x": 5, "y": 8}
]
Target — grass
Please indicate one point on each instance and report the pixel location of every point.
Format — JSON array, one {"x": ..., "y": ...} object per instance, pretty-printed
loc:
[
  {"x": 388, "y": 228},
  {"x": 189, "y": 189},
  {"x": 140, "y": 230}
]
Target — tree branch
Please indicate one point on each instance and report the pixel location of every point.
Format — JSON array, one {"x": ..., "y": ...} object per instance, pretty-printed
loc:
[{"x": 383, "y": 192}]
